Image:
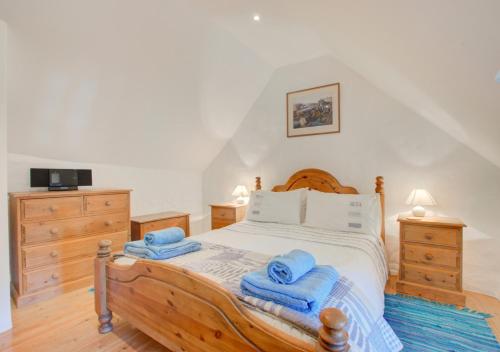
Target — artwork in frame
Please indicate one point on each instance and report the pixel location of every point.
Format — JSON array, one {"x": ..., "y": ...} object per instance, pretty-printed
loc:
[{"x": 313, "y": 111}]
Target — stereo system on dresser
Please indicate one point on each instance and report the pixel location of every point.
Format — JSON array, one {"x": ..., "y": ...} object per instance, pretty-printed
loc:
[
  {"x": 54, "y": 237},
  {"x": 60, "y": 179}
]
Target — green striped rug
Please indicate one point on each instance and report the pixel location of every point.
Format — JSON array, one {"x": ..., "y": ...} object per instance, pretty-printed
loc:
[{"x": 425, "y": 326}]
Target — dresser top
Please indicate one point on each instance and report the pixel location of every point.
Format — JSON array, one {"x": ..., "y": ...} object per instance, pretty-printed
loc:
[
  {"x": 46, "y": 194},
  {"x": 432, "y": 220},
  {"x": 158, "y": 216},
  {"x": 229, "y": 205}
]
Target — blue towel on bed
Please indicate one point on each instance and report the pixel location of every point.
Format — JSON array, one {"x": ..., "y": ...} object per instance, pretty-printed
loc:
[
  {"x": 140, "y": 249},
  {"x": 165, "y": 236},
  {"x": 307, "y": 294},
  {"x": 288, "y": 268}
]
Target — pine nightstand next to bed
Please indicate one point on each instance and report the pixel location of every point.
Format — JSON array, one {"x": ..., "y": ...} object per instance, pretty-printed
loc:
[
  {"x": 431, "y": 259},
  {"x": 227, "y": 214}
]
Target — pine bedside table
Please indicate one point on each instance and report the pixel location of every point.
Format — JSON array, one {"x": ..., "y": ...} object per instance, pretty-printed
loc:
[
  {"x": 227, "y": 214},
  {"x": 430, "y": 262}
]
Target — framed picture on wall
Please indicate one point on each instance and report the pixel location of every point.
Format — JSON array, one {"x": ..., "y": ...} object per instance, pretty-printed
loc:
[{"x": 313, "y": 111}]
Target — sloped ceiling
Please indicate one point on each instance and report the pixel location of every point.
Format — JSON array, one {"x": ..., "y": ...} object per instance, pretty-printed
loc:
[{"x": 165, "y": 83}]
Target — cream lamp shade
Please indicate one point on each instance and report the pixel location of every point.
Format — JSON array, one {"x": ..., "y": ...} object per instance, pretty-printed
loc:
[
  {"x": 242, "y": 193},
  {"x": 419, "y": 198}
]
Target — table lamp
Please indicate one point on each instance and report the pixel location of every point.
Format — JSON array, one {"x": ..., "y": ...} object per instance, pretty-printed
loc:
[
  {"x": 419, "y": 198},
  {"x": 242, "y": 193}
]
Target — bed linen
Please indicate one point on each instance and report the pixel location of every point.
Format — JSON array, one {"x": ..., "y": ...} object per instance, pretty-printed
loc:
[{"x": 359, "y": 259}]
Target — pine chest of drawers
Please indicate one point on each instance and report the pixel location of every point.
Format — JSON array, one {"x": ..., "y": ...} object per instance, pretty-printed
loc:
[
  {"x": 54, "y": 237},
  {"x": 431, "y": 259}
]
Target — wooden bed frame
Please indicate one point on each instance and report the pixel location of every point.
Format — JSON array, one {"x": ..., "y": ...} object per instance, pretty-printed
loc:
[{"x": 184, "y": 311}]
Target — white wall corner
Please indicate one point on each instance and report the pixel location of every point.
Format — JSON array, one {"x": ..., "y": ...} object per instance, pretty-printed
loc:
[{"x": 5, "y": 313}]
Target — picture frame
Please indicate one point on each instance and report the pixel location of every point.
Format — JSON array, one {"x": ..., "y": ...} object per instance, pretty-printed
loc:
[{"x": 313, "y": 111}]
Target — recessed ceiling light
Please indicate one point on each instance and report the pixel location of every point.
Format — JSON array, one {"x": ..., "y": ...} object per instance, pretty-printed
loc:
[
  {"x": 256, "y": 17},
  {"x": 497, "y": 78}
]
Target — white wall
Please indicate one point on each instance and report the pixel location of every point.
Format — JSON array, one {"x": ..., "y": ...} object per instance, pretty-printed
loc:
[
  {"x": 5, "y": 319},
  {"x": 154, "y": 190},
  {"x": 152, "y": 85},
  {"x": 379, "y": 136}
]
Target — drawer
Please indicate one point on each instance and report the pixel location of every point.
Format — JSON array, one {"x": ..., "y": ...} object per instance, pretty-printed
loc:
[
  {"x": 419, "y": 254},
  {"x": 40, "y": 279},
  {"x": 59, "y": 252},
  {"x": 223, "y": 213},
  {"x": 109, "y": 223},
  {"x": 217, "y": 224},
  {"x": 51, "y": 208},
  {"x": 163, "y": 224},
  {"x": 431, "y": 235},
  {"x": 36, "y": 232},
  {"x": 446, "y": 279},
  {"x": 106, "y": 203}
]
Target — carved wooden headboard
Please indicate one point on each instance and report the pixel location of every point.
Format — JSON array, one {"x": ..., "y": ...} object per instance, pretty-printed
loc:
[{"x": 323, "y": 181}]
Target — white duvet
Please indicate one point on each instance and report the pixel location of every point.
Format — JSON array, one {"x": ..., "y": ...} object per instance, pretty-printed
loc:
[{"x": 359, "y": 257}]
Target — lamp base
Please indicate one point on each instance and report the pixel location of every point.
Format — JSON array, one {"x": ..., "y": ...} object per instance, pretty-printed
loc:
[
  {"x": 418, "y": 211},
  {"x": 240, "y": 200}
]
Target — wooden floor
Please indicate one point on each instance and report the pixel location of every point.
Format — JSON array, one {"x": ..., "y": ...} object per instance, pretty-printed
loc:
[{"x": 68, "y": 323}]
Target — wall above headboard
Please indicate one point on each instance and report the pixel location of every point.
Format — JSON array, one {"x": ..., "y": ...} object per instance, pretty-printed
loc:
[{"x": 379, "y": 136}]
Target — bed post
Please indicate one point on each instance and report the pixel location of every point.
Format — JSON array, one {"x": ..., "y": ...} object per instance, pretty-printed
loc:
[
  {"x": 101, "y": 304},
  {"x": 332, "y": 335},
  {"x": 258, "y": 185},
  {"x": 379, "y": 182}
]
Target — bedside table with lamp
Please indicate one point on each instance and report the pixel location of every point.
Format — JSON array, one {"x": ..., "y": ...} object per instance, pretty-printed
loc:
[
  {"x": 225, "y": 214},
  {"x": 430, "y": 262}
]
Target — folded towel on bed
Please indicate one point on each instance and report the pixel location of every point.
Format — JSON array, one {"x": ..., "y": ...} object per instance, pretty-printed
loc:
[
  {"x": 165, "y": 236},
  {"x": 288, "y": 268},
  {"x": 140, "y": 249},
  {"x": 307, "y": 294}
]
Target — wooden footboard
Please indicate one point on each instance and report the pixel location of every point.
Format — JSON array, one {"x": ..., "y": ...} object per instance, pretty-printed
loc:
[{"x": 187, "y": 312}]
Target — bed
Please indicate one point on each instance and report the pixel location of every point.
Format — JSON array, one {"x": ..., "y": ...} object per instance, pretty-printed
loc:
[{"x": 181, "y": 303}]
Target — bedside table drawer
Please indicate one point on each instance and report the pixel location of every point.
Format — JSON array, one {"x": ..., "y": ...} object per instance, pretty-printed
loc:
[
  {"x": 217, "y": 224},
  {"x": 445, "y": 279},
  {"x": 428, "y": 255},
  {"x": 431, "y": 235},
  {"x": 223, "y": 214}
]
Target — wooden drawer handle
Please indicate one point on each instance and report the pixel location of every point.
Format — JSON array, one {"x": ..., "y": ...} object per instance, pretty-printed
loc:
[
  {"x": 54, "y": 254},
  {"x": 429, "y": 256},
  {"x": 52, "y": 208},
  {"x": 54, "y": 231},
  {"x": 429, "y": 236},
  {"x": 428, "y": 278},
  {"x": 108, "y": 223},
  {"x": 55, "y": 276},
  {"x": 108, "y": 203}
]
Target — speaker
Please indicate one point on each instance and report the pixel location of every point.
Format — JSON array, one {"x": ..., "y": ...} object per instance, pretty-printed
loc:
[
  {"x": 39, "y": 177},
  {"x": 84, "y": 177}
]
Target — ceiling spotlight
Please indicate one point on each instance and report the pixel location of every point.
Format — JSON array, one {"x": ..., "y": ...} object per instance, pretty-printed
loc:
[{"x": 256, "y": 17}]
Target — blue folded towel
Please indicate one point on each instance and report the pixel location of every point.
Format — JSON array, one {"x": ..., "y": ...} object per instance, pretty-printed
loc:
[
  {"x": 142, "y": 250},
  {"x": 307, "y": 294},
  {"x": 165, "y": 236},
  {"x": 288, "y": 268}
]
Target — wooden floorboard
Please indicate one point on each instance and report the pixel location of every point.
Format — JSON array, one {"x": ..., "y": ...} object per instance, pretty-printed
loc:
[{"x": 68, "y": 323}]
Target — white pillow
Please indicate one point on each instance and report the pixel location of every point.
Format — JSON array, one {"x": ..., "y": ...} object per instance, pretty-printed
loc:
[
  {"x": 280, "y": 207},
  {"x": 359, "y": 213}
]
